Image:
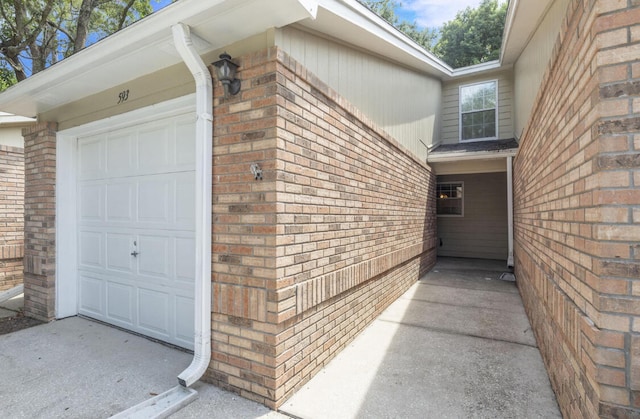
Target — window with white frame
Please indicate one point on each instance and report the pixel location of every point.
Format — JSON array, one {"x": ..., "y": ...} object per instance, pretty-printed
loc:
[
  {"x": 479, "y": 111},
  {"x": 450, "y": 199}
]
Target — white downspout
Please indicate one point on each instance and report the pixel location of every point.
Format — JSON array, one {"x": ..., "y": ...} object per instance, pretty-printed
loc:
[
  {"x": 204, "y": 131},
  {"x": 510, "y": 209}
]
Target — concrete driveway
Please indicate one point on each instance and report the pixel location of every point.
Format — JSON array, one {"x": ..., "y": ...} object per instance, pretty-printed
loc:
[
  {"x": 457, "y": 345},
  {"x": 77, "y": 368}
]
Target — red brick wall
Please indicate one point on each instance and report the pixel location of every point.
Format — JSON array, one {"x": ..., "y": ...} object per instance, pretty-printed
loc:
[
  {"x": 39, "y": 220},
  {"x": 576, "y": 212},
  {"x": 11, "y": 216},
  {"x": 342, "y": 223}
]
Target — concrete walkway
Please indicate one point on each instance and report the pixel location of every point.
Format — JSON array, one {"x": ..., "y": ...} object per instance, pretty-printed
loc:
[{"x": 457, "y": 345}]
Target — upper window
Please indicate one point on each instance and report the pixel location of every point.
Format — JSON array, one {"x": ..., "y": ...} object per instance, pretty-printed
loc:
[{"x": 478, "y": 111}]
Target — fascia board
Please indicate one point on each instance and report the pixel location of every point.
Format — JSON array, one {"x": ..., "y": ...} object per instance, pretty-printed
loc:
[
  {"x": 478, "y": 155},
  {"x": 522, "y": 20},
  {"x": 477, "y": 69},
  {"x": 9, "y": 120}
]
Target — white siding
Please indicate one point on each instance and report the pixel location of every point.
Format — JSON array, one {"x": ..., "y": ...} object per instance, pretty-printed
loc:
[
  {"x": 450, "y": 106},
  {"x": 533, "y": 62},
  {"x": 403, "y": 102}
]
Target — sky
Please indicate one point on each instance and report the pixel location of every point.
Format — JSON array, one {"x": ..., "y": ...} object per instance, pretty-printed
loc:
[{"x": 432, "y": 13}]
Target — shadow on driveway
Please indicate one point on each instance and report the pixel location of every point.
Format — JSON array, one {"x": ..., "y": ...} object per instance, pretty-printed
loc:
[
  {"x": 457, "y": 344},
  {"x": 78, "y": 368}
]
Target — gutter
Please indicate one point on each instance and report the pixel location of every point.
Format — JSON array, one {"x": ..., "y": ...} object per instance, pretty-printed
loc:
[{"x": 204, "y": 131}]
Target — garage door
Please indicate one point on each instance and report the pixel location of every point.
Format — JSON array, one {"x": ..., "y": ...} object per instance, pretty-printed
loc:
[{"x": 135, "y": 218}]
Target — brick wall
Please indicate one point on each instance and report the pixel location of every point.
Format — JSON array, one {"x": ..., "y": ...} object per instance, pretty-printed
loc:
[
  {"x": 39, "y": 220},
  {"x": 11, "y": 216},
  {"x": 576, "y": 212},
  {"x": 341, "y": 224}
]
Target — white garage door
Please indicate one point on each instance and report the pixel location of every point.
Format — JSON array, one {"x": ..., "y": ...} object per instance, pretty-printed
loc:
[{"x": 136, "y": 245}]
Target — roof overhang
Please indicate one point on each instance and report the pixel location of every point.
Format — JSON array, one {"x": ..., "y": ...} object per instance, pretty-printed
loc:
[
  {"x": 523, "y": 17},
  {"x": 147, "y": 46},
  {"x": 465, "y": 156},
  {"x": 351, "y": 22},
  {"x": 9, "y": 120}
]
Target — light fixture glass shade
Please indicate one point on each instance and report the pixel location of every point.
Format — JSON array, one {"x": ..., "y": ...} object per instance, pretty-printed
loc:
[
  {"x": 226, "y": 71},
  {"x": 225, "y": 68}
]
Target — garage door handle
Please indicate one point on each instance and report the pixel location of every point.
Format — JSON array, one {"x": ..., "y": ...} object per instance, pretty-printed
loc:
[{"x": 134, "y": 254}]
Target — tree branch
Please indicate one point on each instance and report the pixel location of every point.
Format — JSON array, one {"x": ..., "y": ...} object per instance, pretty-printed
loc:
[
  {"x": 61, "y": 29},
  {"x": 125, "y": 11},
  {"x": 82, "y": 27}
]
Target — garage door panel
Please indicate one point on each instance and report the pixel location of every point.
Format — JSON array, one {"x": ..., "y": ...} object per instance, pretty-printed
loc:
[
  {"x": 184, "y": 318},
  {"x": 153, "y": 199},
  {"x": 120, "y": 202},
  {"x": 185, "y": 197},
  {"x": 91, "y": 198},
  {"x": 121, "y": 154},
  {"x": 185, "y": 147},
  {"x": 119, "y": 249},
  {"x": 91, "y": 245},
  {"x": 91, "y": 163},
  {"x": 184, "y": 253},
  {"x": 154, "y": 150},
  {"x": 154, "y": 256},
  {"x": 92, "y": 295},
  {"x": 153, "y": 311},
  {"x": 120, "y": 303}
]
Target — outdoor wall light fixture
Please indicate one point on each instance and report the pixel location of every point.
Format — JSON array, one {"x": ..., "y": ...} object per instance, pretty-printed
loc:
[{"x": 226, "y": 71}]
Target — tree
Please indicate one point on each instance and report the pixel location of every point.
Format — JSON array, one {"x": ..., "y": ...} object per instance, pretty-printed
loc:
[
  {"x": 386, "y": 10},
  {"x": 474, "y": 36},
  {"x": 7, "y": 78},
  {"x": 35, "y": 34}
]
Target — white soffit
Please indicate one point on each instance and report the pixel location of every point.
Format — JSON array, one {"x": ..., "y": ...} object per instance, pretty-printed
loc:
[
  {"x": 147, "y": 46},
  {"x": 9, "y": 120},
  {"x": 523, "y": 17}
]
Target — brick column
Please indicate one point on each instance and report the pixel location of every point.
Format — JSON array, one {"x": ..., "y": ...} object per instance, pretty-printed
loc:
[
  {"x": 39, "y": 220},
  {"x": 11, "y": 216},
  {"x": 617, "y": 234}
]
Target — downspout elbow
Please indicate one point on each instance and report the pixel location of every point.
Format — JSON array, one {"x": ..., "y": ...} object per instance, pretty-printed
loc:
[{"x": 202, "y": 300}]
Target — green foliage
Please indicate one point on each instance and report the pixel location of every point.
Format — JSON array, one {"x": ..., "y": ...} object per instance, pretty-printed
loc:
[
  {"x": 474, "y": 36},
  {"x": 7, "y": 77},
  {"x": 35, "y": 34},
  {"x": 386, "y": 10}
]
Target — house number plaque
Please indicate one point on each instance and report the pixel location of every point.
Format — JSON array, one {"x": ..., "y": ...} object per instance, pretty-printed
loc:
[{"x": 123, "y": 96}]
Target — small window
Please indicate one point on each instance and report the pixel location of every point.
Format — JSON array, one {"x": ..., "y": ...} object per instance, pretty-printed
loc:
[
  {"x": 450, "y": 199},
  {"x": 478, "y": 111}
]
